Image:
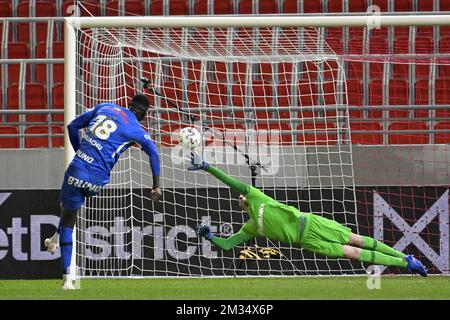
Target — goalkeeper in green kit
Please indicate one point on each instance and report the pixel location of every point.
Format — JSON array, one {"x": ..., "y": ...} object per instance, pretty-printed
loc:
[{"x": 277, "y": 221}]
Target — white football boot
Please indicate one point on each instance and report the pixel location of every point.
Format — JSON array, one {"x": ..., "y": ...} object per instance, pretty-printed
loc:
[{"x": 68, "y": 283}]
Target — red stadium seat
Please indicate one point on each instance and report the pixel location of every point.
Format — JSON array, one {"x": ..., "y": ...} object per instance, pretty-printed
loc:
[
  {"x": 355, "y": 69},
  {"x": 356, "y": 45},
  {"x": 382, "y": 4},
  {"x": 132, "y": 8},
  {"x": 285, "y": 71},
  {"x": 191, "y": 71},
  {"x": 444, "y": 69},
  {"x": 13, "y": 102},
  {"x": 335, "y": 6},
  {"x": 219, "y": 7},
  {"x": 43, "y": 9},
  {"x": 260, "y": 94},
  {"x": 58, "y": 101},
  {"x": 293, "y": 6},
  {"x": 176, "y": 7},
  {"x": 265, "y": 7},
  {"x": 398, "y": 95},
  {"x": 403, "y": 5},
  {"x": 423, "y": 45},
  {"x": 215, "y": 97},
  {"x": 306, "y": 97},
  {"x": 357, "y": 6},
  {"x": 172, "y": 91},
  {"x": 408, "y": 138},
  {"x": 378, "y": 45},
  {"x": 284, "y": 96},
  {"x": 317, "y": 134},
  {"x": 5, "y": 9},
  {"x": 422, "y": 97},
  {"x": 17, "y": 50},
  {"x": 273, "y": 133},
  {"x": 9, "y": 142},
  {"x": 376, "y": 97},
  {"x": 88, "y": 8},
  {"x": 442, "y": 96},
  {"x": 330, "y": 97},
  {"x": 43, "y": 142},
  {"x": 363, "y": 137},
  {"x": 442, "y": 137},
  {"x": 58, "y": 68},
  {"x": 335, "y": 44},
  {"x": 401, "y": 70},
  {"x": 425, "y": 5},
  {"x": 444, "y": 45},
  {"x": 355, "y": 95},
  {"x": 35, "y": 98},
  {"x": 310, "y": 6},
  {"x": 376, "y": 70},
  {"x": 444, "y": 5}
]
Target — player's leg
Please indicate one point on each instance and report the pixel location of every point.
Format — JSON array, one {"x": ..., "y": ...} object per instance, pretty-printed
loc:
[
  {"x": 66, "y": 227},
  {"x": 369, "y": 243},
  {"x": 72, "y": 198}
]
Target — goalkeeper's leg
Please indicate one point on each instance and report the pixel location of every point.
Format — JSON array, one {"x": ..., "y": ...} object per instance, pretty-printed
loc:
[
  {"x": 372, "y": 244},
  {"x": 373, "y": 257}
]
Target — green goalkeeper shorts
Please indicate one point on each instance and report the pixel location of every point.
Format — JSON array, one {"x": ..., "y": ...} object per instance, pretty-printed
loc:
[{"x": 324, "y": 236}]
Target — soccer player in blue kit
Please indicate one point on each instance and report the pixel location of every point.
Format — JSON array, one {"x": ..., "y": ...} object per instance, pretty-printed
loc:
[{"x": 109, "y": 131}]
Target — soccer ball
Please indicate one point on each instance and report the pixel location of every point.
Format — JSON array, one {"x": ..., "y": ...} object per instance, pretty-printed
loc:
[{"x": 189, "y": 138}]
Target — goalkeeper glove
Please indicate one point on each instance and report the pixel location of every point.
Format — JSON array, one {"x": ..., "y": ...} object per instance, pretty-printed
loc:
[
  {"x": 197, "y": 162},
  {"x": 205, "y": 232}
]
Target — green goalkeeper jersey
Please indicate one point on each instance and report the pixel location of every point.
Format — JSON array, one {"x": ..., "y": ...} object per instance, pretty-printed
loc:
[{"x": 271, "y": 219}]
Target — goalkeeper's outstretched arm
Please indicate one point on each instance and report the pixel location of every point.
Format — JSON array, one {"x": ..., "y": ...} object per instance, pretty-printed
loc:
[
  {"x": 233, "y": 183},
  {"x": 223, "y": 243}
]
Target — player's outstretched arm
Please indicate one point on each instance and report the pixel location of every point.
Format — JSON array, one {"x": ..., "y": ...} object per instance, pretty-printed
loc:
[
  {"x": 235, "y": 184},
  {"x": 224, "y": 244}
]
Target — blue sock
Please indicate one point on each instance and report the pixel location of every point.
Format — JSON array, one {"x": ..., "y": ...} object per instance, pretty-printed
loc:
[{"x": 65, "y": 242}]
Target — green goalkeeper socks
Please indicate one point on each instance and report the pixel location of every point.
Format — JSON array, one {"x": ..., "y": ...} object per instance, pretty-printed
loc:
[
  {"x": 374, "y": 257},
  {"x": 375, "y": 245},
  {"x": 234, "y": 184}
]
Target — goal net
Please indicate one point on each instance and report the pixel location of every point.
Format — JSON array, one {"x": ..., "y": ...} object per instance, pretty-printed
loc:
[
  {"x": 279, "y": 109},
  {"x": 271, "y": 106}
]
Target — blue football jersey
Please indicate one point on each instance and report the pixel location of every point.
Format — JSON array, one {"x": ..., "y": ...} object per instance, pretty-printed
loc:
[{"x": 109, "y": 131}]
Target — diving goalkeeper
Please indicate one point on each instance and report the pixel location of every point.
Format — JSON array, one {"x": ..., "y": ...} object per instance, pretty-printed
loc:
[{"x": 277, "y": 221}]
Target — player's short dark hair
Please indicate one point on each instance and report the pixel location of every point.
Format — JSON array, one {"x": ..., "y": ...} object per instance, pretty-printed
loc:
[{"x": 139, "y": 105}]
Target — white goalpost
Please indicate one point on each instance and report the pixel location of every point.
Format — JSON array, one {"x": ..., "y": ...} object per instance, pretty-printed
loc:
[{"x": 270, "y": 98}]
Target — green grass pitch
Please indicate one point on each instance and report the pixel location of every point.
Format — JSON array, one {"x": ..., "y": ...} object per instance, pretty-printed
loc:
[{"x": 392, "y": 287}]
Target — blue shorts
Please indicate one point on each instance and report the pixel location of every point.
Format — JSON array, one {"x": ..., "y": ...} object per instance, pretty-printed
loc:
[{"x": 78, "y": 185}]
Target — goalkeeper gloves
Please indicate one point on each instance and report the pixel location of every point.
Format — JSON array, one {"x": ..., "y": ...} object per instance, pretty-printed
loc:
[
  {"x": 197, "y": 162},
  {"x": 205, "y": 232}
]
